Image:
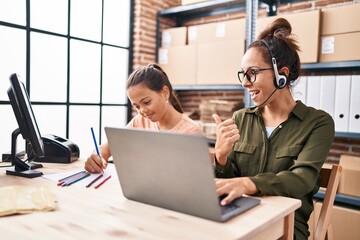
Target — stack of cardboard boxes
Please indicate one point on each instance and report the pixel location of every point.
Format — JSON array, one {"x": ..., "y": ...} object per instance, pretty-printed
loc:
[
  {"x": 340, "y": 33},
  {"x": 211, "y": 53},
  {"x": 205, "y": 54}
]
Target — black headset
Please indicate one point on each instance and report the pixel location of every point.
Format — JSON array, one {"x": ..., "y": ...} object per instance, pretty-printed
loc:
[{"x": 279, "y": 80}]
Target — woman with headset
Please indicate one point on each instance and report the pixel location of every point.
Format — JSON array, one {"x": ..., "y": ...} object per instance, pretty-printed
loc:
[{"x": 278, "y": 146}]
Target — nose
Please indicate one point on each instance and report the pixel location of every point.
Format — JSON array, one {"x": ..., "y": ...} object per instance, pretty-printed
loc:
[
  {"x": 245, "y": 83},
  {"x": 142, "y": 110}
]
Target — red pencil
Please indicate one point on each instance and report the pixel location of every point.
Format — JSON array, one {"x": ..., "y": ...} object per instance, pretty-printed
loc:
[{"x": 103, "y": 181}]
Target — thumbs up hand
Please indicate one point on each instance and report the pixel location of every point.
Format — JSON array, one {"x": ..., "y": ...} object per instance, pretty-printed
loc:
[{"x": 227, "y": 134}]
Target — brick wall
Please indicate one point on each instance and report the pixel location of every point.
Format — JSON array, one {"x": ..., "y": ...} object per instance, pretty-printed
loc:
[{"x": 144, "y": 51}]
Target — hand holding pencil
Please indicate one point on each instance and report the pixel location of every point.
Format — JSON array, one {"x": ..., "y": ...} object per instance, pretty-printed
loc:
[{"x": 95, "y": 163}]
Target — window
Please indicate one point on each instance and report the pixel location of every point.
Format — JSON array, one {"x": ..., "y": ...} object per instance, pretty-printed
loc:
[{"x": 73, "y": 57}]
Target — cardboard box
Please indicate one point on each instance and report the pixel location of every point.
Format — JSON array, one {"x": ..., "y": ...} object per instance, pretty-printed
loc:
[
  {"x": 186, "y": 2},
  {"x": 350, "y": 177},
  {"x": 218, "y": 31},
  {"x": 345, "y": 221},
  {"x": 306, "y": 28},
  {"x": 340, "y": 47},
  {"x": 172, "y": 37},
  {"x": 219, "y": 62},
  {"x": 179, "y": 63},
  {"x": 341, "y": 19}
]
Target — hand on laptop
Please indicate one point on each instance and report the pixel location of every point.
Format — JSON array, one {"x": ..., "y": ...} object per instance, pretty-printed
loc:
[
  {"x": 95, "y": 164},
  {"x": 227, "y": 134},
  {"x": 234, "y": 188}
]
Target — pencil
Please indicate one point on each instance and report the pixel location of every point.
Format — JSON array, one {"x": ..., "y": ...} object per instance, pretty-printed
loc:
[
  {"x": 73, "y": 175},
  {"x": 76, "y": 180},
  {"x": 71, "y": 178},
  {"x": 93, "y": 181},
  {"x": 96, "y": 146},
  {"x": 97, "y": 186}
]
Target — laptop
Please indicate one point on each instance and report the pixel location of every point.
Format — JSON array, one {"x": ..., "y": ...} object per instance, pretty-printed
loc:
[{"x": 170, "y": 170}]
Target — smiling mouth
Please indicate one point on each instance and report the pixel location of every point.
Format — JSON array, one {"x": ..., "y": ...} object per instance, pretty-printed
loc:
[{"x": 254, "y": 93}]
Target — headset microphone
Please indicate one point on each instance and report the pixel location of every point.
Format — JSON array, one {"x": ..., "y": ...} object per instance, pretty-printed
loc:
[
  {"x": 280, "y": 80},
  {"x": 267, "y": 98}
]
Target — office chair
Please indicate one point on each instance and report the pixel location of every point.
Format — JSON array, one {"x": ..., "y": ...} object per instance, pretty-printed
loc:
[{"x": 329, "y": 179}]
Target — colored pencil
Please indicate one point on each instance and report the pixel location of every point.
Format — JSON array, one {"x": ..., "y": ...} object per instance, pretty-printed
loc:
[
  {"x": 73, "y": 175},
  {"x": 75, "y": 180},
  {"x": 93, "y": 181},
  {"x": 94, "y": 138},
  {"x": 97, "y": 186},
  {"x": 72, "y": 178}
]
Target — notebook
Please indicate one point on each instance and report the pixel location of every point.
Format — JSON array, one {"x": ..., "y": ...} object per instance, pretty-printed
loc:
[{"x": 171, "y": 171}]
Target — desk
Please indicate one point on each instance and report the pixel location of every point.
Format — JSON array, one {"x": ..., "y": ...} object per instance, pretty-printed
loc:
[{"x": 104, "y": 213}]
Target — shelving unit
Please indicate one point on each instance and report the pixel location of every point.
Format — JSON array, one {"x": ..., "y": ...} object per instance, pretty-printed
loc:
[{"x": 216, "y": 7}]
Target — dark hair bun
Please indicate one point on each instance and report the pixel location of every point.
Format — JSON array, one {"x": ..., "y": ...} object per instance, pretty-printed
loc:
[{"x": 280, "y": 28}]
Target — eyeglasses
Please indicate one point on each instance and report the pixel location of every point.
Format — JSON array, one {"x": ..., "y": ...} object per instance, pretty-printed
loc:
[{"x": 250, "y": 74}]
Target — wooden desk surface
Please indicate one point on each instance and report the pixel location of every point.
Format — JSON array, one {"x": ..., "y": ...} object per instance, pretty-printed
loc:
[{"x": 104, "y": 213}]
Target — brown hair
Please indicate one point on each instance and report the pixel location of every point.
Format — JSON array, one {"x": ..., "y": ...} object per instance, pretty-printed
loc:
[
  {"x": 154, "y": 78},
  {"x": 283, "y": 46}
]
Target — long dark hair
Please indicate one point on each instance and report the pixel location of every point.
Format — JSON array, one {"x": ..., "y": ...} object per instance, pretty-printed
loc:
[
  {"x": 154, "y": 78},
  {"x": 284, "y": 47}
]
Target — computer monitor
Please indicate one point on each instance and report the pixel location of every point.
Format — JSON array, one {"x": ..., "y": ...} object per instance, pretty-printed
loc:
[{"x": 28, "y": 128}]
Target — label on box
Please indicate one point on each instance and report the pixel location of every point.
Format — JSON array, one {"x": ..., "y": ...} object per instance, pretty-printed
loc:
[
  {"x": 220, "y": 30},
  {"x": 327, "y": 45},
  {"x": 192, "y": 31},
  {"x": 163, "y": 56},
  {"x": 166, "y": 39}
]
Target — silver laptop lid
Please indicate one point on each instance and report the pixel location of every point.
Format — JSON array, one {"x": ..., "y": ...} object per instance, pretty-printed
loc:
[{"x": 165, "y": 169}]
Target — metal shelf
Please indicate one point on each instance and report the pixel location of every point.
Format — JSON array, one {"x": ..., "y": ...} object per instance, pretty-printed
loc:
[
  {"x": 347, "y": 135},
  {"x": 207, "y": 8},
  {"x": 209, "y": 87},
  {"x": 331, "y": 66},
  {"x": 341, "y": 198},
  {"x": 214, "y": 7}
]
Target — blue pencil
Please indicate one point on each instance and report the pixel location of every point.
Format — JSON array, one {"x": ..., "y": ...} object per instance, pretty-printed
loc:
[{"x": 96, "y": 146}]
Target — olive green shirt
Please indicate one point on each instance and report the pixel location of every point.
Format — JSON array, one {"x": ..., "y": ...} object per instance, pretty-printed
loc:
[{"x": 288, "y": 162}]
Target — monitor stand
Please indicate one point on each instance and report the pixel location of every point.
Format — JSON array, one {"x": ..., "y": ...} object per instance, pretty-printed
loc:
[{"x": 21, "y": 168}]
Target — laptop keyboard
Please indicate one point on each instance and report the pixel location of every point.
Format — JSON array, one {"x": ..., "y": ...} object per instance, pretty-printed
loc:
[{"x": 228, "y": 208}]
